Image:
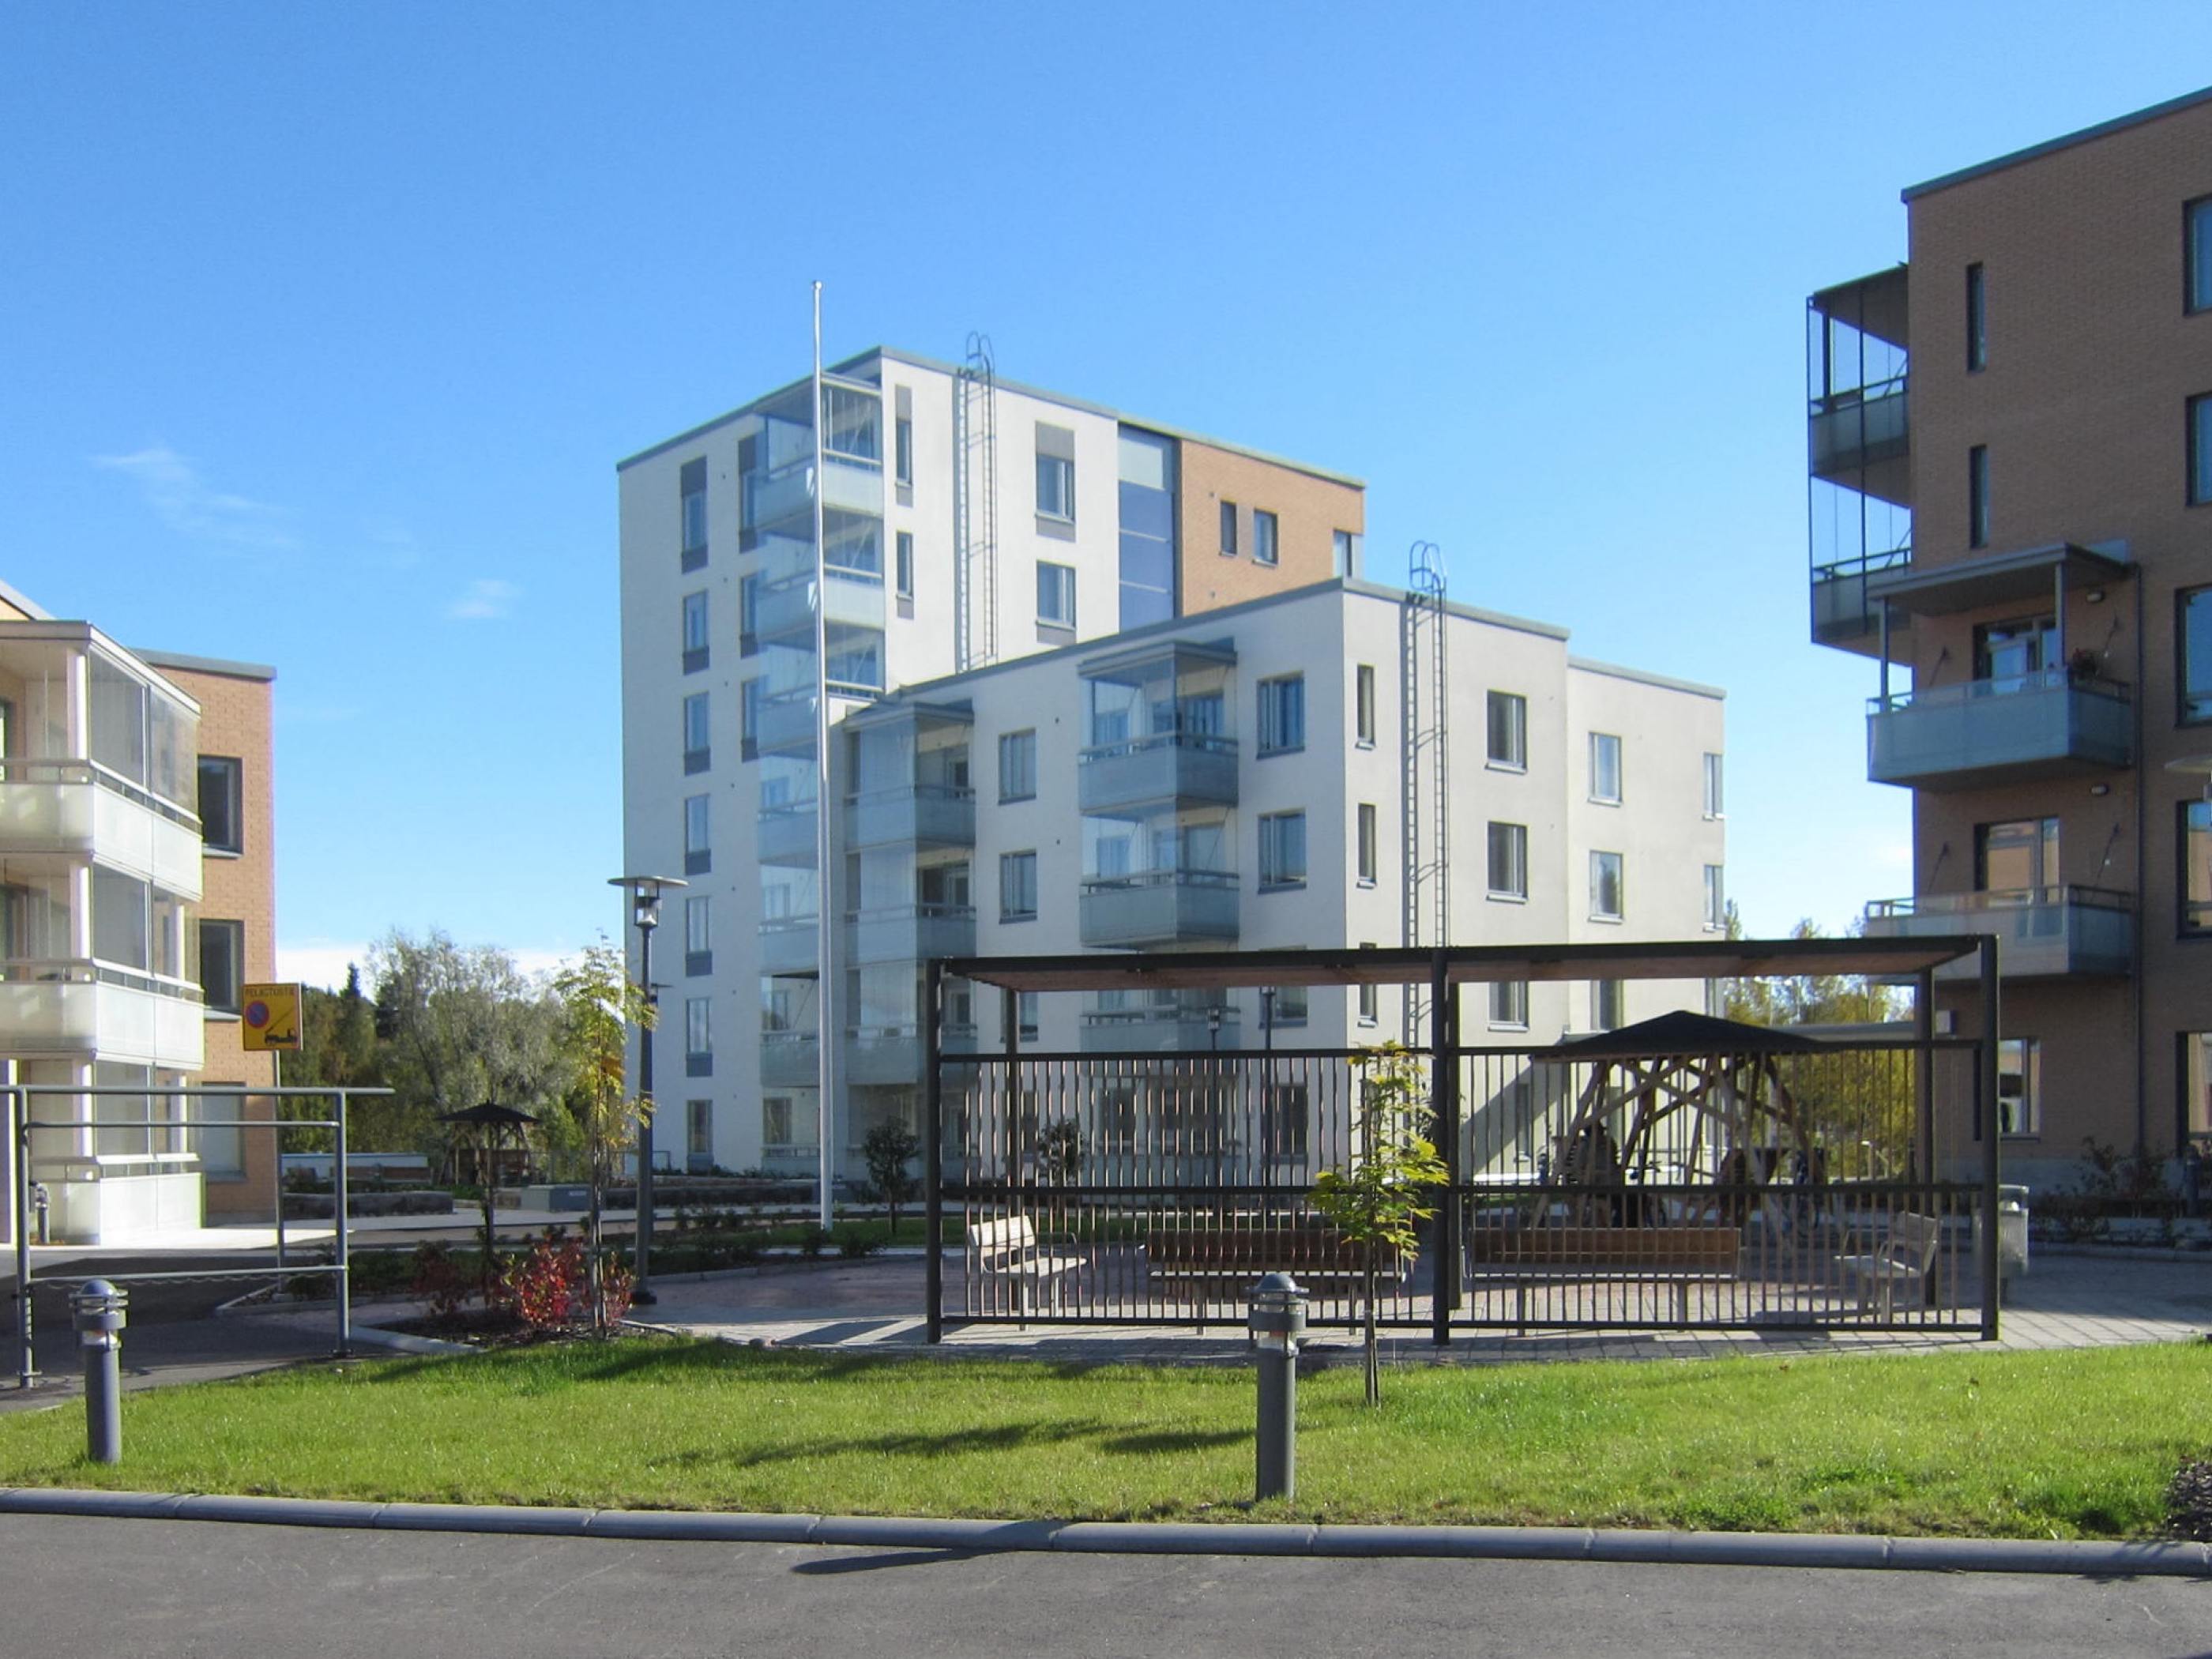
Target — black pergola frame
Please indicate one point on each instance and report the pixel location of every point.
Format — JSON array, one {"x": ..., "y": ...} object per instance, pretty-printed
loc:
[{"x": 1444, "y": 968}]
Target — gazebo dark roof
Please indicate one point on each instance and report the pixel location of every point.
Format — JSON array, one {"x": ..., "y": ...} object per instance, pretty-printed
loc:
[
  {"x": 489, "y": 1115},
  {"x": 1681, "y": 1033}
]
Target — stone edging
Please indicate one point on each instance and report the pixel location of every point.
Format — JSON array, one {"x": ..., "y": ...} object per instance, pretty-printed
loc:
[{"x": 1131, "y": 1538}]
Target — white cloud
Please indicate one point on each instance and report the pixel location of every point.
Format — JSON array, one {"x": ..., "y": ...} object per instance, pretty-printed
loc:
[
  {"x": 485, "y": 600},
  {"x": 188, "y": 505}
]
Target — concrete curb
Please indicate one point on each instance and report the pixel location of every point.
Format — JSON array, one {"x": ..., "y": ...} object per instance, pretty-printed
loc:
[{"x": 1741, "y": 1549}]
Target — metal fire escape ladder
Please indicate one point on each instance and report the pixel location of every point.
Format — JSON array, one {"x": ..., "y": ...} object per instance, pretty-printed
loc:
[
  {"x": 976, "y": 508},
  {"x": 1423, "y": 659}
]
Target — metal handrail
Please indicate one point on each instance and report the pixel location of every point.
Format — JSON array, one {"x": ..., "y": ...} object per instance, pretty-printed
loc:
[
  {"x": 1142, "y": 878},
  {"x": 2003, "y": 898},
  {"x": 1206, "y": 743},
  {"x": 2002, "y": 685}
]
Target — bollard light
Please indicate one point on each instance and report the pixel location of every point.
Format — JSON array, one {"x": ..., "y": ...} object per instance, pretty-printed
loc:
[
  {"x": 97, "y": 1308},
  {"x": 1277, "y": 1319}
]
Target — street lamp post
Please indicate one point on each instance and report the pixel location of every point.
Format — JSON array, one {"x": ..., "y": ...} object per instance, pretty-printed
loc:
[{"x": 645, "y": 893}]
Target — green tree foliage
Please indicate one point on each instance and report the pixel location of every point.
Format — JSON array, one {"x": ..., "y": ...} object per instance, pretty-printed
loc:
[
  {"x": 461, "y": 1024},
  {"x": 598, "y": 1004},
  {"x": 891, "y": 1147},
  {"x": 338, "y": 1050},
  {"x": 1376, "y": 1201}
]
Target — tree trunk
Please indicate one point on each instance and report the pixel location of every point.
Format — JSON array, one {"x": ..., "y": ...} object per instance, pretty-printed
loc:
[
  {"x": 1374, "y": 1355},
  {"x": 596, "y": 1229}
]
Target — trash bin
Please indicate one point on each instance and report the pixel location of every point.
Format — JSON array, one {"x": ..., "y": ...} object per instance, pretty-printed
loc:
[{"x": 2012, "y": 1234}]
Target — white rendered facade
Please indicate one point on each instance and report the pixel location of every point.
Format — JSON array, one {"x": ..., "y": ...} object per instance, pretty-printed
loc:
[{"x": 1135, "y": 845}]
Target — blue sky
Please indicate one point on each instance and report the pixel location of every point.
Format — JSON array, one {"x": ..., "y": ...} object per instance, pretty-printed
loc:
[{"x": 325, "y": 327}]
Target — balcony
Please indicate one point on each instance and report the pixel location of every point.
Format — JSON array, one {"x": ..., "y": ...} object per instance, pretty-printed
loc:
[
  {"x": 92, "y": 1008},
  {"x": 2043, "y": 932},
  {"x": 1180, "y": 769},
  {"x": 788, "y": 947},
  {"x": 76, "y": 807},
  {"x": 1159, "y": 1030},
  {"x": 784, "y": 835},
  {"x": 784, "y": 722},
  {"x": 1859, "y": 436},
  {"x": 2013, "y": 730},
  {"x": 911, "y": 933},
  {"x": 923, "y": 815},
  {"x": 1167, "y": 907},
  {"x": 1844, "y": 614},
  {"x": 785, "y": 610},
  {"x": 789, "y": 1059},
  {"x": 879, "y": 1054}
]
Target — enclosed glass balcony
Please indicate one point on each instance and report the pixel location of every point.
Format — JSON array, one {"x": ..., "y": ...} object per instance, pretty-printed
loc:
[
  {"x": 2010, "y": 730},
  {"x": 789, "y": 1059},
  {"x": 911, "y": 933},
  {"x": 892, "y": 1053},
  {"x": 96, "y": 1008},
  {"x": 2042, "y": 932},
  {"x": 1161, "y": 906},
  {"x": 788, "y": 946},
  {"x": 1158, "y": 728}
]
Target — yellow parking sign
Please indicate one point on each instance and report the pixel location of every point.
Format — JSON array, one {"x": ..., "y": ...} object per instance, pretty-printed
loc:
[{"x": 272, "y": 1017}]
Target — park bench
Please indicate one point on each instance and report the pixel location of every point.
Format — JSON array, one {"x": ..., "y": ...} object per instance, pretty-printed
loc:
[
  {"x": 1009, "y": 1252},
  {"x": 1902, "y": 1261},
  {"x": 1214, "y": 1259},
  {"x": 1679, "y": 1257}
]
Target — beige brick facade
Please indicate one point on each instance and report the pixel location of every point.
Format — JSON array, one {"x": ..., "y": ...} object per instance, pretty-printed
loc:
[{"x": 1309, "y": 509}]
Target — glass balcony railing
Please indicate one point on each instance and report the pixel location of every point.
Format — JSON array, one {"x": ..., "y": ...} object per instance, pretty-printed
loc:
[
  {"x": 921, "y": 815},
  {"x": 81, "y": 807},
  {"x": 911, "y": 933},
  {"x": 1186, "y": 768},
  {"x": 788, "y": 945},
  {"x": 99, "y": 1008},
  {"x": 785, "y": 836},
  {"x": 1178, "y": 1030},
  {"x": 2012, "y": 729},
  {"x": 1841, "y": 609},
  {"x": 892, "y": 1053},
  {"x": 2042, "y": 932},
  {"x": 1854, "y": 431},
  {"x": 1160, "y": 907},
  {"x": 789, "y": 1059}
]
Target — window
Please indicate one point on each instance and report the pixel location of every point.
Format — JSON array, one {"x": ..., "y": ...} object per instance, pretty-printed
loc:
[
  {"x": 749, "y": 606},
  {"x": 1715, "y": 899},
  {"x": 2196, "y": 868},
  {"x": 1509, "y": 861},
  {"x": 1605, "y": 889},
  {"x": 1366, "y": 844},
  {"x": 902, "y": 451},
  {"x": 698, "y": 937},
  {"x": 1018, "y": 765},
  {"x": 1977, "y": 339},
  {"x": 698, "y": 1038},
  {"x": 2195, "y": 1088},
  {"x": 1714, "y": 801},
  {"x": 1370, "y": 995},
  {"x": 698, "y": 857},
  {"x": 2020, "y": 1086},
  {"x": 1509, "y": 730},
  {"x": 1363, "y": 705},
  {"x": 902, "y": 569},
  {"x": 1605, "y": 768},
  {"x": 695, "y": 632},
  {"x": 1344, "y": 553},
  {"x": 2197, "y": 253},
  {"x": 697, "y": 750},
  {"x": 2200, "y": 450},
  {"x": 1282, "y": 714},
  {"x": 699, "y": 1135},
  {"x": 1017, "y": 887},
  {"x": 222, "y": 1152},
  {"x": 1025, "y": 1015},
  {"x": 1228, "y": 530},
  {"x": 776, "y": 1123},
  {"x": 2193, "y": 651},
  {"x": 1265, "y": 548},
  {"x": 1282, "y": 850},
  {"x": 1283, "y": 1110},
  {"x": 1056, "y": 594},
  {"x": 222, "y": 962},
  {"x": 692, "y": 492},
  {"x": 220, "y": 829},
  {"x": 1509, "y": 1004},
  {"x": 1283, "y": 1005},
  {"x": 748, "y": 700},
  {"x": 1978, "y": 496},
  {"x": 2018, "y": 855},
  {"x": 1606, "y": 1003},
  {"x": 1055, "y": 473}
]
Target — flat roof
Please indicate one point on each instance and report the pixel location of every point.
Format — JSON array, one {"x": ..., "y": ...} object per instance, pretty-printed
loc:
[
  {"x": 2119, "y": 123},
  {"x": 190, "y": 664},
  {"x": 1469, "y": 964}
]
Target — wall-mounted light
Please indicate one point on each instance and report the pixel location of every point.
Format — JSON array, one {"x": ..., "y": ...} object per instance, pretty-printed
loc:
[
  {"x": 2094, "y": 596},
  {"x": 2101, "y": 788}
]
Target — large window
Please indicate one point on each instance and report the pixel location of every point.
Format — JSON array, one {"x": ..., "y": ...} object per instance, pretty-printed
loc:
[
  {"x": 1509, "y": 861},
  {"x": 1978, "y": 496},
  {"x": 1606, "y": 898},
  {"x": 2196, "y": 867},
  {"x": 1282, "y": 714},
  {"x": 1017, "y": 887},
  {"x": 1366, "y": 844},
  {"x": 2193, "y": 621},
  {"x": 1978, "y": 333},
  {"x": 698, "y": 1037},
  {"x": 222, "y": 962},
  {"x": 1605, "y": 768},
  {"x": 1228, "y": 530},
  {"x": 1055, "y": 596},
  {"x": 2196, "y": 1088},
  {"x": 1509, "y": 1004},
  {"x": 1266, "y": 547},
  {"x": 698, "y": 936},
  {"x": 221, "y": 1150},
  {"x": 221, "y": 831},
  {"x": 2200, "y": 450},
  {"x": 1055, "y": 473},
  {"x": 1018, "y": 765},
  {"x": 2196, "y": 252},
  {"x": 1363, "y": 727},
  {"x": 698, "y": 856},
  {"x": 1716, "y": 801},
  {"x": 1282, "y": 850},
  {"x": 2017, "y": 856},
  {"x": 1716, "y": 910},
  {"x": 2020, "y": 1086},
  {"x": 695, "y": 632},
  {"x": 692, "y": 492},
  {"x": 697, "y": 753},
  {"x": 1509, "y": 730}
]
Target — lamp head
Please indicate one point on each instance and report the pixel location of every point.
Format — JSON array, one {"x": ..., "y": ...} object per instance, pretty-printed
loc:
[{"x": 645, "y": 893}]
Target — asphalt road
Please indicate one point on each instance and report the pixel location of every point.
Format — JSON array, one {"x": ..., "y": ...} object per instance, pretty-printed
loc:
[{"x": 150, "y": 1588}]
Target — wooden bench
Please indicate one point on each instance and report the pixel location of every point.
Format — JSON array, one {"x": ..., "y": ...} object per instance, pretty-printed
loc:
[
  {"x": 1235, "y": 1259},
  {"x": 1008, "y": 1250},
  {"x": 1902, "y": 1261},
  {"x": 1678, "y": 1256}
]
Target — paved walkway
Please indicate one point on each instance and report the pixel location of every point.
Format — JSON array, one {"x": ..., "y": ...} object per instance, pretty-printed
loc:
[{"x": 2068, "y": 1301}]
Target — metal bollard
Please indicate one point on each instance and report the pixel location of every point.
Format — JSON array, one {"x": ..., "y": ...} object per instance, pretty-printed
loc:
[
  {"x": 98, "y": 1309},
  {"x": 1277, "y": 1320},
  {"x": 42, "y": 1201}
]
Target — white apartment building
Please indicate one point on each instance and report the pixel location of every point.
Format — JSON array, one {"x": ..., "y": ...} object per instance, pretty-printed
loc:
[{"x": 1090, "y": 683}]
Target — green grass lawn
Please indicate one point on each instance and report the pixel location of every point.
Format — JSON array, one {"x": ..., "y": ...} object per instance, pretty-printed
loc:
[{"x": 2066, "y": 1444}]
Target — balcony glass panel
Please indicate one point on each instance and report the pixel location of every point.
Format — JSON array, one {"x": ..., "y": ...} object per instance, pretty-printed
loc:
[
  {"x": 2013, "y": 728},
  {"x": 2042, "y": 932},
  {"x": 1159, "y": 908},
  {"x": 912, "y": 932}
]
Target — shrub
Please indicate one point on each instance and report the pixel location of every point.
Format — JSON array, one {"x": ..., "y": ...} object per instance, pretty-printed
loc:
[
  {"x": 813, "y": 1240},
  {"x": 855, "y": 1241},
  {"x": 550, "y": 1286},
  {"x": 441, "y": 1280}
]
